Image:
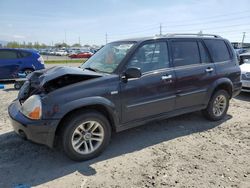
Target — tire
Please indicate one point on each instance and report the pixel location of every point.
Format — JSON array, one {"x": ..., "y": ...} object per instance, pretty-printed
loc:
[
  {"x": 17, "y": 85},
  {"x": 76, "y": 131},
  {"x": 216, "y": 111}
]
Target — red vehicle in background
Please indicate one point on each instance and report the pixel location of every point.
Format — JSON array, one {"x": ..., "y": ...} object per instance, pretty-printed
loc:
[{"x": 81, "y": 55}]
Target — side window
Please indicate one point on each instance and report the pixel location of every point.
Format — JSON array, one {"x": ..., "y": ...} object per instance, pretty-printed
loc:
[
  {"x": 203, "y": 53},
  {"x": 218, "y": 50},
  {"x": 8, "y": 54},
  {"x": 151, "y": 57},
  {"x": 185, "y": 53},
  {"x": 24, "y": 54}
]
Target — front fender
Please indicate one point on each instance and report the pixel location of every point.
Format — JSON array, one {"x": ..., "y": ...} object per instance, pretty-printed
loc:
[{"x": 59, "y": 111}]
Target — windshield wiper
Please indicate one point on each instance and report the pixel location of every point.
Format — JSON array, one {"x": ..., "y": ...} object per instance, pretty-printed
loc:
[{"x": 91, "y": 69}]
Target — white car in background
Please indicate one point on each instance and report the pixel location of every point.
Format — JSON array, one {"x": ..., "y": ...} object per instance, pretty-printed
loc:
[
  {"x": 61, "y": 53},
  {"x": 245, "y": 71}
]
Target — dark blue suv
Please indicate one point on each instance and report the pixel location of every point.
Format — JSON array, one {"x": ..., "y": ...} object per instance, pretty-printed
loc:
[
  {"x": 14, "y": 61},
  {"x": 125, "y": 84}
]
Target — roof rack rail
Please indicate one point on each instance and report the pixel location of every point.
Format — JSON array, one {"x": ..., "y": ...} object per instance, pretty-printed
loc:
[{"x": 193, "y": 34}]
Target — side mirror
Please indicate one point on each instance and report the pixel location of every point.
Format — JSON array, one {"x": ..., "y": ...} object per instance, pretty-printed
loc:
[{"x": 132, "y": 72}]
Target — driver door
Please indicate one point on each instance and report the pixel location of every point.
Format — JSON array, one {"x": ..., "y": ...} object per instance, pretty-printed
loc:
[{"x": 154, "y": 92}]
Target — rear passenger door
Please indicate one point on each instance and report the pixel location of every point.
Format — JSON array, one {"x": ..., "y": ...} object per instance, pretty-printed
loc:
[
  {"x": 223, "y": 58},
  {"x": 194, "y": 72},
  {"x": 9, "y": 64}
]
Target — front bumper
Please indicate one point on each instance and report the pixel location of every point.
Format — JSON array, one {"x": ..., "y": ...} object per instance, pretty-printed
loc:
[
  {"x": 38, "y": 131},
  {"x": 245, "y": 85}
]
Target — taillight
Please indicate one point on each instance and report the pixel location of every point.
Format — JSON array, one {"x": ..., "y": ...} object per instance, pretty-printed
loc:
[{"x": 40, "y": 59}]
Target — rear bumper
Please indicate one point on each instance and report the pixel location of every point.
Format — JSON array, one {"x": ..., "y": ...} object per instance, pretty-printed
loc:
[{"x": 38, "y": 131}]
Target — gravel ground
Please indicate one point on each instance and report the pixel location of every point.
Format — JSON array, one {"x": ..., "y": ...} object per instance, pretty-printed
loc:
[{"x": 186, "y": 151}]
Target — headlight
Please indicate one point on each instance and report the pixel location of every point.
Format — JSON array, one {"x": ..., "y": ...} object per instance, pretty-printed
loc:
[{"x": 32, "y": 107}]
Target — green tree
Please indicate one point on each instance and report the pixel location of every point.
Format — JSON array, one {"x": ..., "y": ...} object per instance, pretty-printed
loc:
[{"x": 76, "y": 45}]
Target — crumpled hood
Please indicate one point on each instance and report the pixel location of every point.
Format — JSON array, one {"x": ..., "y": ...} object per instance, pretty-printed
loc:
[
  {"x": 47, "y": 75},
  {"x": 245, "y": 67},
  {"x": 48, "y": 80}
]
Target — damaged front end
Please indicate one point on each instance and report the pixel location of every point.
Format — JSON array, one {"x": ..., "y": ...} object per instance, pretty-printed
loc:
[{"x": 48, "y": 80}]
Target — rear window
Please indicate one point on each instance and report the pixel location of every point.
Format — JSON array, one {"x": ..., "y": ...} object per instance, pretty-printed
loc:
[
  {"x": 185, "y": 53},
  {"x": 218, "y": 50},
  {"x": 8, "y": 54}
]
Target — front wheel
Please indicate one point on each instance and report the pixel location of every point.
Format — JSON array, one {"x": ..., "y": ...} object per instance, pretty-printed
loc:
[
  {"x": 217, "y": 106},
  {"x": 85, "y": 135}
]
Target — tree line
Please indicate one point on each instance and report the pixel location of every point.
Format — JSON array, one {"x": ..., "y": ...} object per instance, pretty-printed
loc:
[{"x": 38, "y": 45}]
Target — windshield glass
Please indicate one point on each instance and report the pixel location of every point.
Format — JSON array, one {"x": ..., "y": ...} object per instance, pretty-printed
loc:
[{"x": 108, "y": 58}]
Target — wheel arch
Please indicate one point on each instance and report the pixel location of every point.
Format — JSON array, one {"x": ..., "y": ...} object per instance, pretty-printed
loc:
[
  {"x": 224, "y": 84},
  {"x": 100, "y": 108}
]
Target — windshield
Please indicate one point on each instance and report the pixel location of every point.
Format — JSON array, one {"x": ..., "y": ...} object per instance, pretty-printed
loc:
[{"x": 108, "y": 58}]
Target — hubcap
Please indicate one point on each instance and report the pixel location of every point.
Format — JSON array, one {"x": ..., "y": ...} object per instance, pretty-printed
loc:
[
  {"x": 219, "y": 105},
  {"x": 87, "y": 137}
]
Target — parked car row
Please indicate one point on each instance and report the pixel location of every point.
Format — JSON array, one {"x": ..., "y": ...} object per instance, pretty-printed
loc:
[{"x": 72, "y": 53}]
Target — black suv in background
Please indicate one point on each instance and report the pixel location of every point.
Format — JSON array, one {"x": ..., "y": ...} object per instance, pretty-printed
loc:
[{"x": 125, "y": 84}]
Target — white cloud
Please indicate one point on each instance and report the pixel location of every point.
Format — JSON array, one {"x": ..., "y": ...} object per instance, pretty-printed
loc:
[{"x": 18, "y": 37}]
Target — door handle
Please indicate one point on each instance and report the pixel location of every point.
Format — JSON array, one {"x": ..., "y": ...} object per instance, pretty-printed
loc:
[
  {"x": 166, "y": 77},
  {"x": 209, "y": 69}
]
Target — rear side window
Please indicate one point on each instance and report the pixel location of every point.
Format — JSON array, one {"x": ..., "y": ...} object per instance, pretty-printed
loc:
[
  {"x": 25, "y": 54},
  {"x": 218, "y": 50},
  {"x": 185, "y": 53},
  {"x": 203, "y": 53},
  {"x": 8, "y": 54}
]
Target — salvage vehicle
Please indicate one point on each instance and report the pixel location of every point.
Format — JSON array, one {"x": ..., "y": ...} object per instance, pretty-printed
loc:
[
  {"x": 125, "y": 84},
  {"x": 14, "y": 61},
  {"x": 245, "y": 71}
]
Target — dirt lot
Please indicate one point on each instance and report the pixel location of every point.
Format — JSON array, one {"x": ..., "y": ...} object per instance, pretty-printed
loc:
[{"x": 186, "y": 151}]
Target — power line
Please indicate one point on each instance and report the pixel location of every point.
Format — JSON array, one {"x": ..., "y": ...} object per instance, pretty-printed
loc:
[
  {"x": 212, "y": 21},
  {"x": 215, "y": 16}
]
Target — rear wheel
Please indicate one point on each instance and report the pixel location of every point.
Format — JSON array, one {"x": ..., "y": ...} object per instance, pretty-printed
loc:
[
  {"x": 27, "y": 71},
  {"x": 85, "y": 135},
  {"x": 217, "y": 106}
]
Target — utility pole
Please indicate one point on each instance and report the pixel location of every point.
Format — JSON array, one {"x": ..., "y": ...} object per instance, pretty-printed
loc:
[
  {"x": 79, "y": 40},
  {"x": 106, "y": 38},
  {"x": 243, "y": 38},
  {"x": 160, "y": 29},
  {"x": 65, "y": 37}
]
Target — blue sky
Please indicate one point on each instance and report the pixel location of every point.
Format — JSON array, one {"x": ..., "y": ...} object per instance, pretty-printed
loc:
[{"x": 48, "y": 21}]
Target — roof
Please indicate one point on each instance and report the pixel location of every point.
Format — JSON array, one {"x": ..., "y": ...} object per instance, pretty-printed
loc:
[{"x": 23, "y": 49}]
